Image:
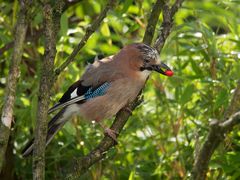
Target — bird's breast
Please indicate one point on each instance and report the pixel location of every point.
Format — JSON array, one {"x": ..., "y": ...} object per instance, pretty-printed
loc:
[{"x": 119, "y": 94}]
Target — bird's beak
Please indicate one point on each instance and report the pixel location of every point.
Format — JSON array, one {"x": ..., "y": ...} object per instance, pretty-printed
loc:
[{"x": 163, "y": 69}]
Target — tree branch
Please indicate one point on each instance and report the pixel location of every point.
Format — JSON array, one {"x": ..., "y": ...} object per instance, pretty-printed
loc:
[
  {"x": 6, "y": 47},
  {"x": 235, "y": 102},
  {"x": 81, "y": 165},
  {"x": 215, "y": 136},
  {"x": 167, "y": 23},
  {"x": 7, "y": 111},
  {"x": 52, "y": 20},
  {"x": 152, "y": 22},
  {"x": 89, "y": 31}
]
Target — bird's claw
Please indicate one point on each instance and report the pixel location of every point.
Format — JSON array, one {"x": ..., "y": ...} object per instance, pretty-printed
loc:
[
  {"x": 127, "y": 109},
  {"x": 111, "y": 133}
]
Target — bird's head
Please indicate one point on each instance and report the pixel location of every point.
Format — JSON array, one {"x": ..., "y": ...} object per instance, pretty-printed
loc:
[{"x": 146, "y": 59}]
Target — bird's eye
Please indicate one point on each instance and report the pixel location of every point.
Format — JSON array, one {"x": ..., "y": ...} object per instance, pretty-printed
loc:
[{"x": 146, "y": 60}]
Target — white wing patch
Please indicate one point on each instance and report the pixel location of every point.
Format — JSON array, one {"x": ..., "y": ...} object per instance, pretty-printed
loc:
[
  {"x": 61, "y": 105},
  {"x": 74, "y": 94}
]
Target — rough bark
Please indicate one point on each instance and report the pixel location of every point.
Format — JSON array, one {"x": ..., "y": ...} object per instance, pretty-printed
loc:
[
  {"x": 235, "y": 102},
  {"x": 81, "y": 165},
  {"x": 47, "y": 79},
  {"x": 13, "y": 75},
  {"x": 168, "y": 14},
  {"x": 216, "y": 135},
  {"x": 152, "y": 22},
  {"x": 51, "y": 20}
]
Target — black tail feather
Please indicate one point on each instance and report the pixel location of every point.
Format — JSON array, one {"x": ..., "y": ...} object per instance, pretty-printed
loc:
[
  {"x": 53, "y": 127},
  {"x": 27, "y": 150}
]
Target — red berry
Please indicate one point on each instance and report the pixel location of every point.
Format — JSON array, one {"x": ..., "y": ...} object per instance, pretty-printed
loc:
[{"x": 168, "y": 73}]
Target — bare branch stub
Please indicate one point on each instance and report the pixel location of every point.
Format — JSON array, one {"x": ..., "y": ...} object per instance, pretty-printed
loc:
[{"x": 235, "y": 102}]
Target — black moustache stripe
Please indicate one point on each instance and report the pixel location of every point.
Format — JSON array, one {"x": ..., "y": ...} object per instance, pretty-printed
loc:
[{"x": 146, "y": 68}]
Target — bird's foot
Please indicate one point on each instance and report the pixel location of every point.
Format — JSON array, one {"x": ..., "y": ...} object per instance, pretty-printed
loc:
[
  {"x": 127, "y": 109},
  {"x": 111, "y": 133}
]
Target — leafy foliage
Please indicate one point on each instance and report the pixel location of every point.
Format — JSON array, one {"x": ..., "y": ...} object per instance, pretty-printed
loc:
[{"x": 159, "y": 140}]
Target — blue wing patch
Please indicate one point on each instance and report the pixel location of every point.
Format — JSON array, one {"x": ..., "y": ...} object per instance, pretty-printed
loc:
[
  {"x": 90, "y": 93},
  {"x": 100, "y": 91}
]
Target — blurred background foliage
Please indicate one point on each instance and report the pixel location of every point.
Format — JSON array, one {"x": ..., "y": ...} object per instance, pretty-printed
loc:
[{"x": 161, "y": 138}]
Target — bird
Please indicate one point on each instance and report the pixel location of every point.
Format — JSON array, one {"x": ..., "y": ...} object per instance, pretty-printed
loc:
[{"x": 105, "y": 87}]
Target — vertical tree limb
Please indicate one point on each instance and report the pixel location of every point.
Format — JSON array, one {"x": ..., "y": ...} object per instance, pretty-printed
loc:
[
  {"x": 81, "y": 165},
  {"x": 167, "y": 23},
  {"x": 7, "y": 111},
  {"x": 51, "y": 20},
  {"x": 152, "y": 22},
  {"x": 47, "y": 79}
]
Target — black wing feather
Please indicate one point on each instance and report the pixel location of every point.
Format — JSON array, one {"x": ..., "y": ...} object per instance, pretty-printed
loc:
[
  {"x": 81, "y": 90},
  {"x": 66, "y": 99}
]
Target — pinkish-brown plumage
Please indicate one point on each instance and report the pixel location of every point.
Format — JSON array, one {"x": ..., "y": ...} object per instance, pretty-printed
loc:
[
  {"x": 106, "y": 87},
  {"x": 122, "y": 71}
]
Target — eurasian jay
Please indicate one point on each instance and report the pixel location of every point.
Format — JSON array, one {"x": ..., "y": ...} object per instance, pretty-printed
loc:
[{"x": 106, "y": 87}]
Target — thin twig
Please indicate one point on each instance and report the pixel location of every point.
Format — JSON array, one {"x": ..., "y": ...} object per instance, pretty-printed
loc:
[
  {"x": 6, "y": 47},
  {"x": 228, "y": 125},
  {"x": 89, "y": 31},
  {"x": 235, "y": 102}
]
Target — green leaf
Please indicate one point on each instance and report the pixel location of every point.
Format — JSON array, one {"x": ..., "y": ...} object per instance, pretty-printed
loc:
[
  {"x": 105, "y": 30},
  {"x": 70, "y": 129},
  {"x": 187, "y": 94},
  {"x": 222, "y": 99},
  {"x": 64, "y": 24},
  {"x": 38, "y": 19},
  {"x": 131, "y": 176},
  {"x": 126, "y": 5},
  {"x": 196, "y": 68}
]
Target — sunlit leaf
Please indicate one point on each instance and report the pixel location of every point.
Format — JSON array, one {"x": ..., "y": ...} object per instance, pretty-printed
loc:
[
  {"x": 187, "y": 94},
  {"x": 64, "y": 24}
]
